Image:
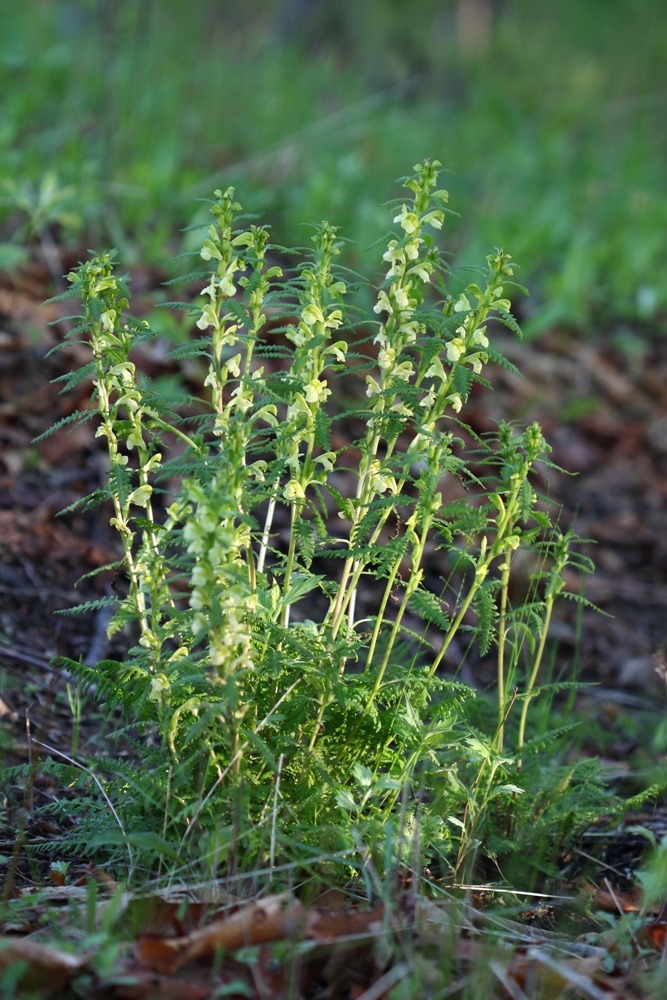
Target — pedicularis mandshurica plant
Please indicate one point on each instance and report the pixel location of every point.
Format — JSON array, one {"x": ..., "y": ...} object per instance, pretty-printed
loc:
[{"x": 289, "y": 727}]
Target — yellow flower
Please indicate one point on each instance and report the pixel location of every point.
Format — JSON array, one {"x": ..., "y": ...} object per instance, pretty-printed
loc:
[
  {"x": 386, "y": 358},
  {"x": 316, "y": 391},
  {"x": 401, "y": 297},
  {"x": 294, "y": 491},
  {"x": 455, "y": 349},
  {"x": 233, "y": 365},
  {"x": 312, "y": 314},
  {"x": 480, "y": 338},
  {"x": 108, "y": 319},
  {"x": 209, "y": 317},
  {"x": 407, "y": 220},
  {"x": 382, "y": 304}
]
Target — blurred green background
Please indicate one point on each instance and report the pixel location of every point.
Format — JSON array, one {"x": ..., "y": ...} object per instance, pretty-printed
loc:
[{"x": 116, "y": 114}]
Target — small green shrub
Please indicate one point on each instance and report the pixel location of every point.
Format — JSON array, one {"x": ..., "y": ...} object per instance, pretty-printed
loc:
[{"x": 289, "y": 730}]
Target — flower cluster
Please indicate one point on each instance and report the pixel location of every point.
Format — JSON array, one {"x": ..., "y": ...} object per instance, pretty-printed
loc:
[
  {"x": 412, "y": 262},
  {"x": 233, "y": 254},
  {"x": 222, "y": 593},
  {"x": 221, "y": 597},
  {"x": 320, "y": 316},
  {"x": 124, "y": 411},
  {"x": 467, "y": 348},
  {"x": 400, "y": 394}
]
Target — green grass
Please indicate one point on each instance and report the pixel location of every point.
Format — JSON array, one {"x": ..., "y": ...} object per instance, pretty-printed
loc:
[{"x": 554, "y": 133}]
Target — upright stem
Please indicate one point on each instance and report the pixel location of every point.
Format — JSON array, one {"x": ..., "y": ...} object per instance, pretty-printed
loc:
[
  {"x": 533, "y": 675},
  {"x": 413, "y": 584},
  {"x": 502, "y": 629},
  {"x": 339, "y": 604},
  {"x": 317, "y": 723},
  {"x": 505, "y": 527},
  {"x": 364, "y": 496},
  {"x": 290, "y": 563},
  {"x": 344, "y": 595},
  {"x": 252, "y": 572},
  {"x": 352, "y": 606},
  {"x": 236, "y": 805},
  {"x": 454, "y": 627},
  {"x": 266, "y": 534},
  {"x": 380, "y": 615},
  {"x": 466, "y": 834},
  {"x": 124, "y": 530}
]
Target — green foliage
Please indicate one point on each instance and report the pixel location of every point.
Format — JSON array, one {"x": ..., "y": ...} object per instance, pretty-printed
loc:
[
  {"x": 551, "y": 117},
  {"x": 275, "y": 715}
]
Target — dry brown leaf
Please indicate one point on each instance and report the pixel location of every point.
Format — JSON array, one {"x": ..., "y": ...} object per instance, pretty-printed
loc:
[
  {"x": 330, "y": 899},
  {"x": 100, "y": 876},
  {"x": 149, "y": 985},
  {"x": 328, "y": 926},
  {"x": 629, "y": 902},
  {"x": 654, "y": 934},
  {"x": 160, "y": 917},
  {"x": 46, "y": 966},
  {"x": 270, "y": 919},
  {"x": 583, "y": 975},
  {"x": 105, "y": 880}
]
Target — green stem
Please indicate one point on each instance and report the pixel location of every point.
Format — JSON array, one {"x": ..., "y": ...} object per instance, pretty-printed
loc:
[
  {"x": 161, "y": 591},
  {"x": 125, "y": 532},
  {"x": 454, "y": 627},
  {"x": 252, "y": 573},
  {"x": 533, "y": 675},
  {"x": 504, "y": 523},
  {"x": 466, "y": 834},
  {"x": 345, "y": 593},
  {"x": 338, "y": 609},
  {"x": 344, "y": 597},
  {"x": 383, "y": 607},
  {"x": 413, "y": 584},
  {"x": 163, "y": 425},
  {"x": 264, "y": 544},
  {"x": 290, "y": 564},
  {"x": 316, "y": 725},
  {"x": 502, "y": 629}
]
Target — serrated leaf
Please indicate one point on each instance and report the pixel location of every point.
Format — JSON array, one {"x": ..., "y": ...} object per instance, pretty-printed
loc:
[
  {"x": 81, "y": 415},
  {"x": 345, "y": 800},
  {"x": 343, "y": 505},
  {"x": 146, "y": 841},
  {"x": 363, "y": 775},
  {"x": 300, "y": 585},
  {"x": 430, "y": 609},
  {"x": 79, "y": 609},
  {"x": 487, "y": 615},
  {"x": 508, "y": 790},
  {"x": 261, "y": 747},
  {"x": 72, "y": 379},
  {"x": 508, "y": 320},
  {"x": 71, "y": 293}
]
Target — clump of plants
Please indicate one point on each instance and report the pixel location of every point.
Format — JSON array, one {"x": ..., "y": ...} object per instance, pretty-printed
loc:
[{"x": 290, "y": 729}]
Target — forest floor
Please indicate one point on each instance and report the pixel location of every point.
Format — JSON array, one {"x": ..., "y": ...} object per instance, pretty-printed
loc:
[{"x": 604, "y": 410}]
